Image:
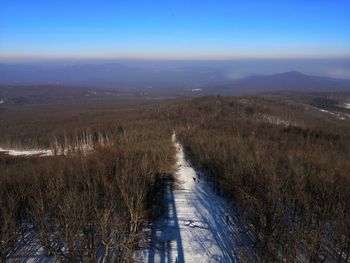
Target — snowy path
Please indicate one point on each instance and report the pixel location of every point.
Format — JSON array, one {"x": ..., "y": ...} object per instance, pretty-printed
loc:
[{"x": 195, "y": 229}]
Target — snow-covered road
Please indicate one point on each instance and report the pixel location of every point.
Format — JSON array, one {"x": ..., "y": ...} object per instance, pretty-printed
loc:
[{"x": 196, "y": 227}]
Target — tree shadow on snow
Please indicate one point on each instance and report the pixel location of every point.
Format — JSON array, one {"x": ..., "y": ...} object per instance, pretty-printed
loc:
[{"x": 165, "y": 235}]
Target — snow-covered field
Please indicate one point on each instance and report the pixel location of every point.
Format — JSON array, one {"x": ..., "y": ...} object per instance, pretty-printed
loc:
[
  {"x": 200, "y": 225},
  {"x": 84, "y": 148},
  {"x": 26, "y": 152}
]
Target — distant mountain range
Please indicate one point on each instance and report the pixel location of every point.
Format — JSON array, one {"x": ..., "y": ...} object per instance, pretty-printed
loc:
[
  {"x": 113, "y": 75},
  {"x": 200, "y": 80},
  {"x": 288, "y": 81}
]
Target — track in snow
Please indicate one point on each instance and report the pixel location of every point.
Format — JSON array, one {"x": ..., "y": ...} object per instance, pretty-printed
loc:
[{"x": 196, "y": 227}]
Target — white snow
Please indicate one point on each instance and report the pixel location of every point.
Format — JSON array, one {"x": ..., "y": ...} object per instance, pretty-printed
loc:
[
  {"x": 2, "y": 101},
  {"x": 196, "y": 227},
  {"x": 275, "y": 120},
  {"x": 29, "y": 250},
  {"x": 84, "y": 148},
  {"x": 326, "y": 111},
  {"x": 347, "y": 105},
  {"x": 338, "y": 115},
  {"x": 39, "y": 152},
  {"x": 196, "y": 90}
]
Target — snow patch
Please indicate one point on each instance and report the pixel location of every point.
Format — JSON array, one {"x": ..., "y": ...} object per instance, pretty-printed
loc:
[
  {"x": 196, "y": 90},
  {"x": 39, "y": 152},
  {"x": 29, "y": 249},
  {"x": 2, "y": 101},
  {"x": 275, "y": 120},
  {"x": 335, "y": 114},
  {"x": 347, "y": 105}
]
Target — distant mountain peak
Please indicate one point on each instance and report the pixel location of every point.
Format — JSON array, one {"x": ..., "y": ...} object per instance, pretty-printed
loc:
[
  {"x": 290, "y": 74},
  {"x": 293, "y": 73}
]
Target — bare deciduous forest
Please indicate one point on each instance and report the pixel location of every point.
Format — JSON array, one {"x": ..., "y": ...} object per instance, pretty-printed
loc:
[
  {"x": 175, "y": 131},
  {"x": 285, "y": 168},
  {"x": 87, "y": 205},
  {"x": 291, "y": 183}
]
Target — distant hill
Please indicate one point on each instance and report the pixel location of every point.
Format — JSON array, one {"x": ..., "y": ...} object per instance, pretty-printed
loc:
[{"x": 288, "y": 81}]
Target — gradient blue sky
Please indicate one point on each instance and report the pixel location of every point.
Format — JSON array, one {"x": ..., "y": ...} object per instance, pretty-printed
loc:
[{"x": 183, "y": 29}]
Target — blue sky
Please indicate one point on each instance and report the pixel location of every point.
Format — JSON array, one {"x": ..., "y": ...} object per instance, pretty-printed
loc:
[{"x": 183, "y": 29}]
